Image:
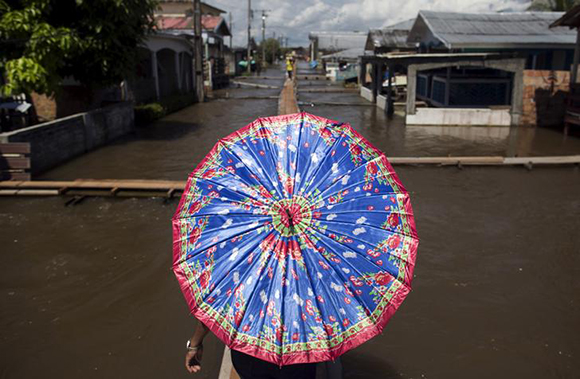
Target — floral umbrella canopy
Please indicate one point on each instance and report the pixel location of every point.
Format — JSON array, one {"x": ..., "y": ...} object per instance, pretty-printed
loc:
[{"x": 294, "y": 240}]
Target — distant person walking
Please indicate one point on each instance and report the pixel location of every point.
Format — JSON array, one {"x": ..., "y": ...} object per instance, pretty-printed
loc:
[{"x": 289, "y": 66}]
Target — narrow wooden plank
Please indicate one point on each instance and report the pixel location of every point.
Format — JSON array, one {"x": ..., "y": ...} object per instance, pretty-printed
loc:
[
  {"x": 571, "y": 159},
  {"x": 28, "y": 192},
  {"x": 15, "y": 148},
  {"x": 14, "y": 163}
]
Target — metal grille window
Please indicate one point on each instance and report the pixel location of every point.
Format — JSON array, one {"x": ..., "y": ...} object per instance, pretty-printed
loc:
[
  {"x": 438, "y": 93},
  {"x": 479, "y": 93},
  {"x": 422, "y": 85}
]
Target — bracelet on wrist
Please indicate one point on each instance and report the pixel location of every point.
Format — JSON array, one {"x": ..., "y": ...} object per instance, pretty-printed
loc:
[{"x": 193, "y": 348}]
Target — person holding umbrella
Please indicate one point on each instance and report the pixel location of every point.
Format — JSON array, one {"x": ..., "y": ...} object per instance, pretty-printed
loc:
[{"x": 294, "y": 242}]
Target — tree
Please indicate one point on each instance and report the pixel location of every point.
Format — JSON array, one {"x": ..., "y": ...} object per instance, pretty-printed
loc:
[
  {"x": 93, "y": 41},
  {"x": 552, "y": 5},
  {"x": 272, "y": 46}
]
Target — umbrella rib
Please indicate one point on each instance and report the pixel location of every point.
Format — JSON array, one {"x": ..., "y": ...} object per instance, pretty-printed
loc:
[
  {"x": 329, "y": 172},
  {"x": 335, "y": 304},
  {"x": 218, "y": 242},
  {"x": 229, "y": 188},
  {"x": 372, "y": 226},
  {"x": 227, "y": 276},
  {"x": 364, "y": 194},
  {"x": 370, "y": 195},
  {"x": 360, "y": 301},
  {"x": 271, "y": 149},
  {"x": 338, "y": 139},
  {"x": 249, "y": 271},
  {"x": 227, "y": 147},
  {"x": 374, "y": 245},
  {"x": 355, "y": 170},
  {"x": 382, "y": 269}
]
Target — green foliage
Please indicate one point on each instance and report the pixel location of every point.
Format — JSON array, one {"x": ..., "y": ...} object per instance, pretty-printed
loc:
[
  {"x": 272, "y": 46},
  {"x": 147, "y": 113},
  {"x": 94, "y": 42}
]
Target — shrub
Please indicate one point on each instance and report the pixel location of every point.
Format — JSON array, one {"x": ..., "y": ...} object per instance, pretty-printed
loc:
[{"x": 147, "y": 113}]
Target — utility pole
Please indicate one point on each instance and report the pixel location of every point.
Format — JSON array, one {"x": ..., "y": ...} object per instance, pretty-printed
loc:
[
  {"x": 248, "y": 59},
  {"x": 264, "y": 38},
  {"x": 198, "y": 53},
  {"x": 231, "y": 29},
  {"x": 274, "y": 49}
]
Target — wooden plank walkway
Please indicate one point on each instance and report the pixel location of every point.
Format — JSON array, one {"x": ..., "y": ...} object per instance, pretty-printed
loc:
[
  {"x": 169, "y": 188},
  {"x": 93, "y": 187},
  {"x": 287, "y": 103}
]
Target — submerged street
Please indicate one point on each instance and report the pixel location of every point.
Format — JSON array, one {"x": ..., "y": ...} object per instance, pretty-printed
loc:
[{"x": 88, "y": 290}]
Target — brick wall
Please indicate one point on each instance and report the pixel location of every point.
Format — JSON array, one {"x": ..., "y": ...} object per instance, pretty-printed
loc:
[
  {"x": 544, "y": 97},
  {"x": 45, "y": 107},
  {"x": 55, "y": 142}
]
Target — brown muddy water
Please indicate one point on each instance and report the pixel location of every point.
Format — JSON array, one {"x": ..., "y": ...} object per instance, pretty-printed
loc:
[{"x": 87, "y": 291}]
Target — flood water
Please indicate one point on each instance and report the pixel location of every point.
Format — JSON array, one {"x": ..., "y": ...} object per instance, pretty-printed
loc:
[{"x": 87, "y": 291}]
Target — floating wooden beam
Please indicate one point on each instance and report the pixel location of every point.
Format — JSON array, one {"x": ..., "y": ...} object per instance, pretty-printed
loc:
[{"x": 256, "y": 85}]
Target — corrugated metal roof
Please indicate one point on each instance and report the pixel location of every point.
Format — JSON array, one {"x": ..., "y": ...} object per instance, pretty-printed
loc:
[
  {"x": 393, "y": 37},
  {"x": 403, "y": 25},
  {"x": 353, "y": 53},
  {"x": 479, "y": 30},
  {"x": 387, "y": 39},
  {"x": 335, "y": 41}
]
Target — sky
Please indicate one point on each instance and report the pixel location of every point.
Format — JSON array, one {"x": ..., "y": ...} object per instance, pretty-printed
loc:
[{"x": 296, "y": 18}]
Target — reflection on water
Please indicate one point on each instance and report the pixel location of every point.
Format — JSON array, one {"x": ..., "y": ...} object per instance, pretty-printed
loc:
[{"x": 87, "y": 291}]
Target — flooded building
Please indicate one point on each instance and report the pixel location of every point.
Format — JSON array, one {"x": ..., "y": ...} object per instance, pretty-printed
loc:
[
  {"x": 176, "y": 17},
  {"x": 480, "y": 69},
  {"x": 165, "y": 67},
  {"x": 572, "y": 113}
]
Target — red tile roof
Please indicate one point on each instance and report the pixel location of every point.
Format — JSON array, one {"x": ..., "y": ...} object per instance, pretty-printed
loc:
[{"x": 207, "y": 22}]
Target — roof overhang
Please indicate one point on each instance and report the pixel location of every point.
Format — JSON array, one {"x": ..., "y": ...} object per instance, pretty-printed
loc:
[{"x": 570, "y": 19}]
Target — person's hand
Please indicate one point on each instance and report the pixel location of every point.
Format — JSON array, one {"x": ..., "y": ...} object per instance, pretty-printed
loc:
[{"x": 193, "y": 360}]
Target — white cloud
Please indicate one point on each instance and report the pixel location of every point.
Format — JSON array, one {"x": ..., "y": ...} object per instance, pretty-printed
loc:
[
  {"x": 295, "y": 19},
  {"x": 346, "y": 270},
  {"x": 228, "y": 222},
  {"x": 358, "y": 231},
  {"x": 349, "y": 254},
  {"x": 331, "y": 216},
  {"x": 223, "y": 212},
  {"x": 345, "y": 179},
  {"x": 361, "y": 220}
]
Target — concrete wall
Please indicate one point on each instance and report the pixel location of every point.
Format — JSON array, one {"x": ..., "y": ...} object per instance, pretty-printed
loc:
[
  {"x": 459, "y": 116},
  {"x": 366, "y": 93},
  {"x": 54, "y": 142},
  {"x": 382, "y": 102},
  {"x": 544, "y": 99}
]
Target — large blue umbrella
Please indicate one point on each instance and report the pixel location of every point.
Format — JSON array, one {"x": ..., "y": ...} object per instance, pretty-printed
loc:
[{"x": 294, "y": 240}]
